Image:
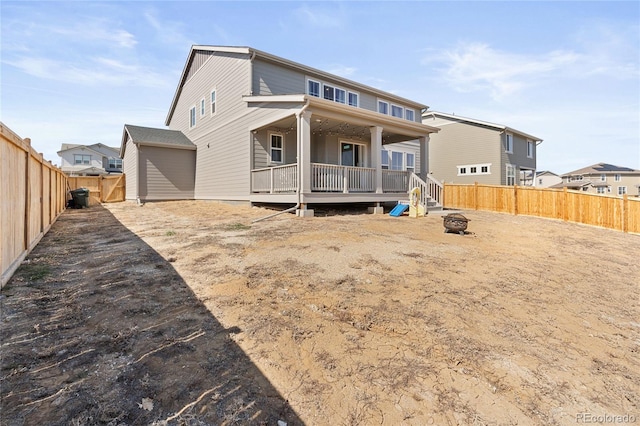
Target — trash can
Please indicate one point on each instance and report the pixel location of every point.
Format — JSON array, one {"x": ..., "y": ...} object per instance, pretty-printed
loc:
[{"x": 80, "y": 197}]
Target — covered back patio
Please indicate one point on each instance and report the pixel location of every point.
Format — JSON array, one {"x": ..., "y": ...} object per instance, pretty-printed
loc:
[{"x": 324, "y": 152}]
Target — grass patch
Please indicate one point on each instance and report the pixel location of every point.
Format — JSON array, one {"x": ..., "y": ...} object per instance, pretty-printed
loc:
[
  {"x": 170, "y": 233},
  {"x": 237, "y": 227},
  {"x": 35, "y": 272}
]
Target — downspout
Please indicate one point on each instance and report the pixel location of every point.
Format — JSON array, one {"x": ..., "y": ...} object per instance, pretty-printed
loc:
[{"x": 298, "y": 171}]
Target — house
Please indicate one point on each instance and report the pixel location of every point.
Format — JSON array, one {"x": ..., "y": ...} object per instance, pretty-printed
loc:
[
  {"x": 270, "y": 130},
  {"x": 89, "y": 160},
  {"x": 545, "y": 179},
  {"x": 603, "y": 178},
  {"x": 466, "y": 150}
]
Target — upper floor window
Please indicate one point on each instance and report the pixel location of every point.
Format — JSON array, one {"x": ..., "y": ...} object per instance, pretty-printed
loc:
[
  {"x": 81, "y": 159},
  {"x": 202, "y": 107},
  {"x": 192, "y": 117},
  {"x": 341, "y": 95},
  {"x": 383, "y": 107},
  {"x": 353, "y": 99},
  {"x": 313, "y": 88},
  {"x": 508, "y": 143},
  {"x": 277, "y": 146},
  {"x": 622, "y": 190},
  {"x": 530, "y": 149},
  {"x": 329, "y": 92},
  {"x": 213, "y": 101},
  {"x": 115, "y": 163},
  {"x": 617, "y": 178},
  {"x": 603, "y": 178},
  {"x": 409, "y": 114},
  {"x": 397, "y": 111}
]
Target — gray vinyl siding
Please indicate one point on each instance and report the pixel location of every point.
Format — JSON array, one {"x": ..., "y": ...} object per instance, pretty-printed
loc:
[
  {"x": 519, "y": 155},
  {"x": 262, "y": 148},
  {"x": 130, "y": 169},
  {"x": 464, "y": 144},
  {"x": 271, "y": 79},
  {"x": 167, "y": 173}
]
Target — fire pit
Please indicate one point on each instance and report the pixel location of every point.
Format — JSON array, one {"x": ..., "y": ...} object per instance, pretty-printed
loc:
[{"x": 455, "y": 222}]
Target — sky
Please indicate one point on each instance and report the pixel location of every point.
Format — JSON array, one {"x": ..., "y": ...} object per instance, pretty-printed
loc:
[{"x": 567, "y": 72}]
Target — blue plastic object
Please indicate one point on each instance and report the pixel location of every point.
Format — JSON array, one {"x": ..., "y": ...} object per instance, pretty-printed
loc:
[{"x": 398, "y": 210}]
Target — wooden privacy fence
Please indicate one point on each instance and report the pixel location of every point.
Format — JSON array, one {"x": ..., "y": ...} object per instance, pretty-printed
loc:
[
  {"x": 102, "y": 189},
  {"x": 32, "y": 196},
  {"x": 607, "y": 211}
]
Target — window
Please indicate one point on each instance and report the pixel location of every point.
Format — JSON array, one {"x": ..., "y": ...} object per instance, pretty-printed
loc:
[
  {"x": 213, "y": 101},
  {"x": 329, "y": 92},
  {"x": 192, "y": 117},
  {"x": 511, "y": 174},
  {"x": 396, "y": 160},
  {"x": 383, "y": 107},
  {"x": 617, "y": 178},
  {"x": 411, "y": 159},
  {"x": 397, "y": 111},
  {"x": 276, "y": 147},
  {"x": 341, "y": 96},
  {"x": 313, "y": 88},
  {"x": 601, "y": 189},
  {"x": 622, "y": 190},
  {"x": 353, "y": 99},
  {"x": 115, "y": 163},
  {"x": 540, "y": 181},
  {"x": 202, "y": 106},
  {"x": 81, "y": 159},
  {"x": 474, "y": 169},
  {"x": 352, "y": 154},
  {"x": 603, "y": 178},
  {"x": 529, "y": 149},
  {"x": 409, "y": 114},
  {"x": 384, "y": 159},
  {"x": 508, "y": 143}
]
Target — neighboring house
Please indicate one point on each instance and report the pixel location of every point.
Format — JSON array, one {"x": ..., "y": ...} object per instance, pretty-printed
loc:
[
  {"x": 466, "y": 150},
  {"x": 603, "y": 178},
  {"x": 269, "y": 130},
  {"x": 159, "y": 164},
  {"x": 545, "y": 179},
  {"x": 89, "y": 160}
]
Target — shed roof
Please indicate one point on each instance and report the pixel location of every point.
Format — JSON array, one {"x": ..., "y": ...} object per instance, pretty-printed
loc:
[{"x": 150, "y": 136}]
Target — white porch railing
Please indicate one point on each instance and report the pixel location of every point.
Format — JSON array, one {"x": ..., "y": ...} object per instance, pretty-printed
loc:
[
  {"x": 275, "y": 179},
  {"x": 332, "y": 178},
  {"x": 395, "y": 180},
  {"x": 431, "y": 188}
]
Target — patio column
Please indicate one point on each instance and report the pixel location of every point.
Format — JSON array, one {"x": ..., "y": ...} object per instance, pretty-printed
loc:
[
  {"x": 424, "y": 156},
  {"x": 376, "y": 156},
  {"x": 304, "y": 160}
]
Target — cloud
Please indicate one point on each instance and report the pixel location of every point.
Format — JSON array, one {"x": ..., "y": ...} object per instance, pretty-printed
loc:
[
  {"x": 319, "y": 18},
  {"x": 168, "y": 32},
  {"x": 478, "y": 67},
  {"x": 343, "y": 71}
]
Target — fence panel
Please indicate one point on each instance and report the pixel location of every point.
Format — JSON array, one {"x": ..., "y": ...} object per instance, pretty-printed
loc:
[
  {"x": 607, "y": 211},
  {"x": 102, "y": 189},
  {"x": 32, "y": 197}
]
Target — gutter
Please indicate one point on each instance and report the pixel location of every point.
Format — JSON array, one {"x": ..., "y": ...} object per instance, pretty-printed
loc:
[{"x": 299, "y": 172}]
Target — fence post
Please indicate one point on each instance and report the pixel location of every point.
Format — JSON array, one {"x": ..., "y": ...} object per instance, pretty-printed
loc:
[
  {"x": 100, "y": 186},
  {"x": 565, "y": 207},
  {"x": 625, "y": 213},
  {"x": 515, "y": 200},
  {"x": 27, "y": 193},
  {"x": 475, "y": 195}
]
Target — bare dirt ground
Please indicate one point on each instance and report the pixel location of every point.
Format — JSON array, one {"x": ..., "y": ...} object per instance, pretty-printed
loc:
[{"x": 189, "y": 313}]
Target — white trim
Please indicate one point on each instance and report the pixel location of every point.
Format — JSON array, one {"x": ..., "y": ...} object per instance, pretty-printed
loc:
[
  {"x": 412, "y": 111},
  {"x": 533, "y": 148},
  {"x": 192, "y": 118},
  {"x": 350, "y": 92},
  {"x": 213, "y": 105},
  {"x": 508, "y": 149},
  {"x": 351, "y": 142},
  {"x": 271, "y": 148},
  {"x": 380, "y": 101},
  {"x": 203, "y": 107},
  {"x": 396, "y": 106},
  {"x": 506, "y": 174},
  {"x": 307, "y": 80},
  {"x": 623, "y": 189}
]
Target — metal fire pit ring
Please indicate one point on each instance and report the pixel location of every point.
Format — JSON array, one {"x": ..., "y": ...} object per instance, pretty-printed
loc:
[{"x": 455, "y": 222}]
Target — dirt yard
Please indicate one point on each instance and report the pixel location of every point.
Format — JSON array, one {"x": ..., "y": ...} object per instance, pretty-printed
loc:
[{"x": 189, "y": 313}]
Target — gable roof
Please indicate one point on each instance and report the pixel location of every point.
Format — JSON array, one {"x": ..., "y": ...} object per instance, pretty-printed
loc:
[
  {"x": 546, "y": 172},
  {"x": 150, "y": 136},
  {"x": 252, "y": 53},
  {"x": 601, "y": 168},
  {"x": 500, "y": 127},
  {"x": 93, "y": 148}
]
